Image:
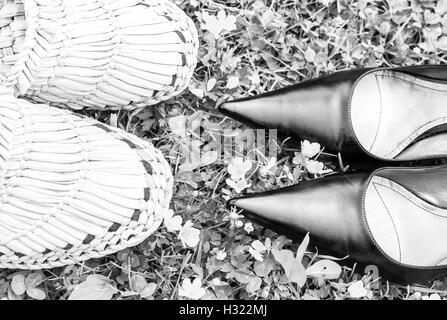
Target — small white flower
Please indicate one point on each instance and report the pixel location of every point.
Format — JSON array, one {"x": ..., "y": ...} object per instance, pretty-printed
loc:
[
  {"x": 234, "y": 215},
  {"x": 254, "y": 78},
  {"x": 315, "y": 167},
  {"x": 192, "y": 290},
  {"x": 248, "y": 227},
  {"x": 357, "y": 289},
  {"x": 266, "y": 169},
  {"x": 233, "y": 82},
  {"x": 238, "y": 168},
  {"x": 235, "y": 219},
  {"x": 189, "y": 236},
  {"x": 416, "y": 296},
  {"x": 238, "y": 223},
  {"x": 197, "y": 92},
  {"x": 171, "y": 222},
  {"x": 221, "y": 255},
  {"x": 217, "y": 282},
  {"x": 257, "y": 249},
  {"x": 218, "y": 24},
  {"x": 310, "y": 150},
  {"x": 238, "y": 185},
  {"x": 299, "y": 159}
]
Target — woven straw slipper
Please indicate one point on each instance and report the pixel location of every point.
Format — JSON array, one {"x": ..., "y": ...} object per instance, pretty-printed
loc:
[
  {"x": 96, "y": 53},
  {"x": 72, "y": 188}
]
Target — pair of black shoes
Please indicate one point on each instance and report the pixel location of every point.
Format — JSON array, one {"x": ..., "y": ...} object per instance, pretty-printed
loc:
[{"x": 391, "y": 125}]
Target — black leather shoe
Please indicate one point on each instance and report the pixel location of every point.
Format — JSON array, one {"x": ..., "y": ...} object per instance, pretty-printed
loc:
[
  {"x": 393, "y": 218},
  {"x": 372, "y": 114}
]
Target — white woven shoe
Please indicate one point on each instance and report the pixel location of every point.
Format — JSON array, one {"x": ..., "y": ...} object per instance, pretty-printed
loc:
[
  {"x": 96, "y": 53},
  {"x": 72, "y": 188}
]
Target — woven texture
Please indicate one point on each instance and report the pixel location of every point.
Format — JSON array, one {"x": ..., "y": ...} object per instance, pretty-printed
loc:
[
  {"x": 72, "y": 188},
  {"x": 96, "y": 53}
]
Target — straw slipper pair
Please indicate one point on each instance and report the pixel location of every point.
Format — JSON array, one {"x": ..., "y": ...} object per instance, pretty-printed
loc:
[{"x": 72, "y": 188}]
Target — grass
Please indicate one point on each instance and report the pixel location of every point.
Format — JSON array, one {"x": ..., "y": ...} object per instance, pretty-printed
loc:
[{"x": 274, "y": 43}]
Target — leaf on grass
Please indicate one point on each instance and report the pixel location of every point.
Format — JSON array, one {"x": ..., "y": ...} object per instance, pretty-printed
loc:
[
  {"x": 254, "y": 285},
  {"x": 210, "y": 84},
  {"x": 223, "y": 291},
  {"x": 189, "y": 236},
  {"x": 188, "y": 167},
  {"x": 18, "y": 284},
  {"x": 34, "y": 279},
  {"x": 280, "y": 242},
  {"x": 208, "y": 158},
  {"x": 95, "y": 287},
  {"x": 326, "y": 269},
  {"x": 292, "y": 266},
  {"x": 197, "y": 269},
  {"x": 302, "y": 248},
  {"x": 178, "y": 125},
  {"x": 138, "y": 283},
  {"x": 243, "y": 277},
  {"x": 36, "y": 293},
  {"x": 197, "y": 92},
  {"x": 148, "y": 290},
  {"x": 13, "y": 296},
  {"x": 263, "y": 269}
]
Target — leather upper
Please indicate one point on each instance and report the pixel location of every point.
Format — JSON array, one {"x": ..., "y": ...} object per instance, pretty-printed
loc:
[
  {"x": 319, "y": 110},
  {"x": 331, "y": 210}
]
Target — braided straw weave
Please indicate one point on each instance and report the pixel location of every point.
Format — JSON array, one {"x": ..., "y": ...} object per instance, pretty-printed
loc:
[
  {"x": 72, "y": 188},
  {"x": 96, "y": 53}
]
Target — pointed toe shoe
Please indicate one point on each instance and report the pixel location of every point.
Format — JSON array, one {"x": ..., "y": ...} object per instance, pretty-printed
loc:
[
  {"x": 368, "y": 115},
  {"x": 393, "y": 218}
]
